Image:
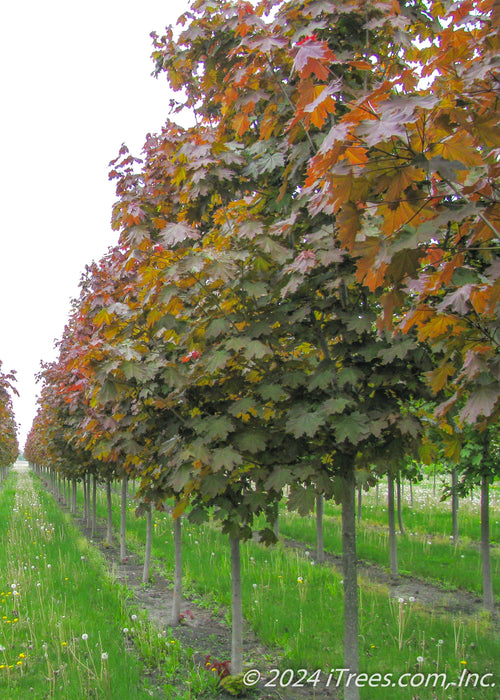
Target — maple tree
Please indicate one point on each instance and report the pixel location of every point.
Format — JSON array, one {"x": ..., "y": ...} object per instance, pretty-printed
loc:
[
  {"x": 9, "y": 448},
  {"x": 283, "y": 265},
  {"x": 315, "y": 313}
]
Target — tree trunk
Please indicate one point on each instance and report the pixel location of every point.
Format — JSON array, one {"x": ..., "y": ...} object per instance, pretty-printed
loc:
[
  {"x": 320, "y": 548},
  {"x": 351, "y": 650},
  {"x": 94, "y": 505},
  {"x": 376, "y": 493},
  {"x": 399, "y": 505},
  {"x": 177, "y": 598},
  {"x": 454, "y": 505},
  {"x": 411, "y": 493},
  {"x": 360, "y": 502},
  {"x": 109, "y": 529},
  {"x": 86, "y": 509},
  {"x": 276, "y": 526},
  {"x": 393, "y": 552},
  {"x": 147, "y": 553},
  {"x": 123, "y": 519},
  {"x": 237, "y": 610},
  {"x": 73, "y": 497},
  {"x": 488, "y": 598}
]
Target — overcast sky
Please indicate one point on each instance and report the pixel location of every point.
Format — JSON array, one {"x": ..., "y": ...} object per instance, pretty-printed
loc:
[{"x": 75, "y": 84}]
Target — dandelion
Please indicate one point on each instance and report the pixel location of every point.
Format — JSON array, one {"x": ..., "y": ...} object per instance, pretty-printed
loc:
[
  {"x": 125, "y": 630},
  {"x": 420, "y": 659},
  {"x": 401, "y": 600},
  {"x": 300, "y": 579},
  {"x": 85, "y": 637},
  {"x": 411, "y": 599},
  {"x": 440, "y": 642},
  {"x": 464, "y": 663},
  {"x": 22, "y": 656},
  {"x": 104, "y": 656},
  {"x": 134, "y": 618}
]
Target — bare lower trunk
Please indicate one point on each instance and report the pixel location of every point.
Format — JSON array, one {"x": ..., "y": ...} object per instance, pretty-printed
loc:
[
  {"x": 393, "y": 552},
  {"x": 488, "y": 598},
  {"x": 399, "y": 505},
  {"x": 320, "y": 548},
  {"x": 147, "y": 553},
  {"x": 411, "y": 493},
  {"x": 73, "y": 497},
  {"x": 454, "y": 505},
  {"x": 84, "y": 487},
  {"x": 109, "y": 505},
  {"x": 360, "y": 503},
  {"x": 237, "y": 611},
  {"x": 123, "y": 519},
  {"x": 177, "y": 598},
  {"x": 94, "y": 505},
  {"x": 351, "y": 650}
]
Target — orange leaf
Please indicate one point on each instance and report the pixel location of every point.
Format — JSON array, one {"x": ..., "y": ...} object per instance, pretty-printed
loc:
[
  {"x": 395, "y": 217},
  {"x": 348, "y": 223},
  {"x": 439, "y": 376},
  {"x": 241, "y": 123}
]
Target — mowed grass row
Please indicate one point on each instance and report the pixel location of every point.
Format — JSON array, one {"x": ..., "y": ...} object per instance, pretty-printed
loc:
[
  {"x": 296, "y": 607},
  {"x": 66, "y": 631},
  {"x": 425, "y": 549},
  {"x": 427, "y": 514}
]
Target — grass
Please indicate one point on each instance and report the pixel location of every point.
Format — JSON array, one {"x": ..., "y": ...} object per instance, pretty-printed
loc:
[
  {"x": 66, "y": 629},
  {"x": 297, "y": 608}
]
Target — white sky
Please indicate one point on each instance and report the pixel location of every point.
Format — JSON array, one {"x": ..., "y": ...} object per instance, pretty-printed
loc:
[{"x": 75, "y": 81}]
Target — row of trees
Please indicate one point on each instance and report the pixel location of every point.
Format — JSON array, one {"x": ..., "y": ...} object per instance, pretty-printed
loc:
[
  {"x": 298, "y": 273},
  {"x": 8, "y": 429}
]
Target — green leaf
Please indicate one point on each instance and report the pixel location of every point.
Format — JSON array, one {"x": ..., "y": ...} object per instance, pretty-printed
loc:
[
  {"x": 213, "y": 427},
  {"x": 272, "y": 392},
  {"x": 225, "y": 458},
  {"x": 301, "y": 499},
  {"x": 217, "y": 327},
  {"x": 252, "y": 441},
  {"x": 336, "y": 405},
  {"x": 352, "y": 428},
  {"x": 256, "y": 349},
  {"x": 304, "y": 423}
]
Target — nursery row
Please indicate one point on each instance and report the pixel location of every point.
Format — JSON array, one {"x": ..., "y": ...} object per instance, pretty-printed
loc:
[
  {"x": 67, "y": 629},
  {"x": 283, "y": 589},
  {"x": 303, "y": 295}
]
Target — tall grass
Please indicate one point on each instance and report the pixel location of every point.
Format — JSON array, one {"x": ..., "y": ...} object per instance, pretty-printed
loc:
[
  {"x": 65, "y": 630},
  {"x": 296, "y": 608}
]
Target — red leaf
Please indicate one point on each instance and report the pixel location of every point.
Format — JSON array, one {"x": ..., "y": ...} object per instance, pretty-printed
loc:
[{"x": 313, "y": 57}]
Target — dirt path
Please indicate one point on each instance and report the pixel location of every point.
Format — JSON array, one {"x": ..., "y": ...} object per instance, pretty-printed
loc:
[
  {"x": 210, "y": 635},
  {"x": 428, "y": 595},
  {"x": 206, "y": 634}
]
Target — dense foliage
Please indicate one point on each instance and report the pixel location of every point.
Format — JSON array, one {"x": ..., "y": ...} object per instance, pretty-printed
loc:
[
  {"x": 9, "y": 448},
  {"x": 294, "y": 271}
]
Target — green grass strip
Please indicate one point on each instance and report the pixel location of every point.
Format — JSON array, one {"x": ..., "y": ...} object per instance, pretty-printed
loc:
[
  {"x": 297, "y": 607},
  {"x": 61, "y": 616}
]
